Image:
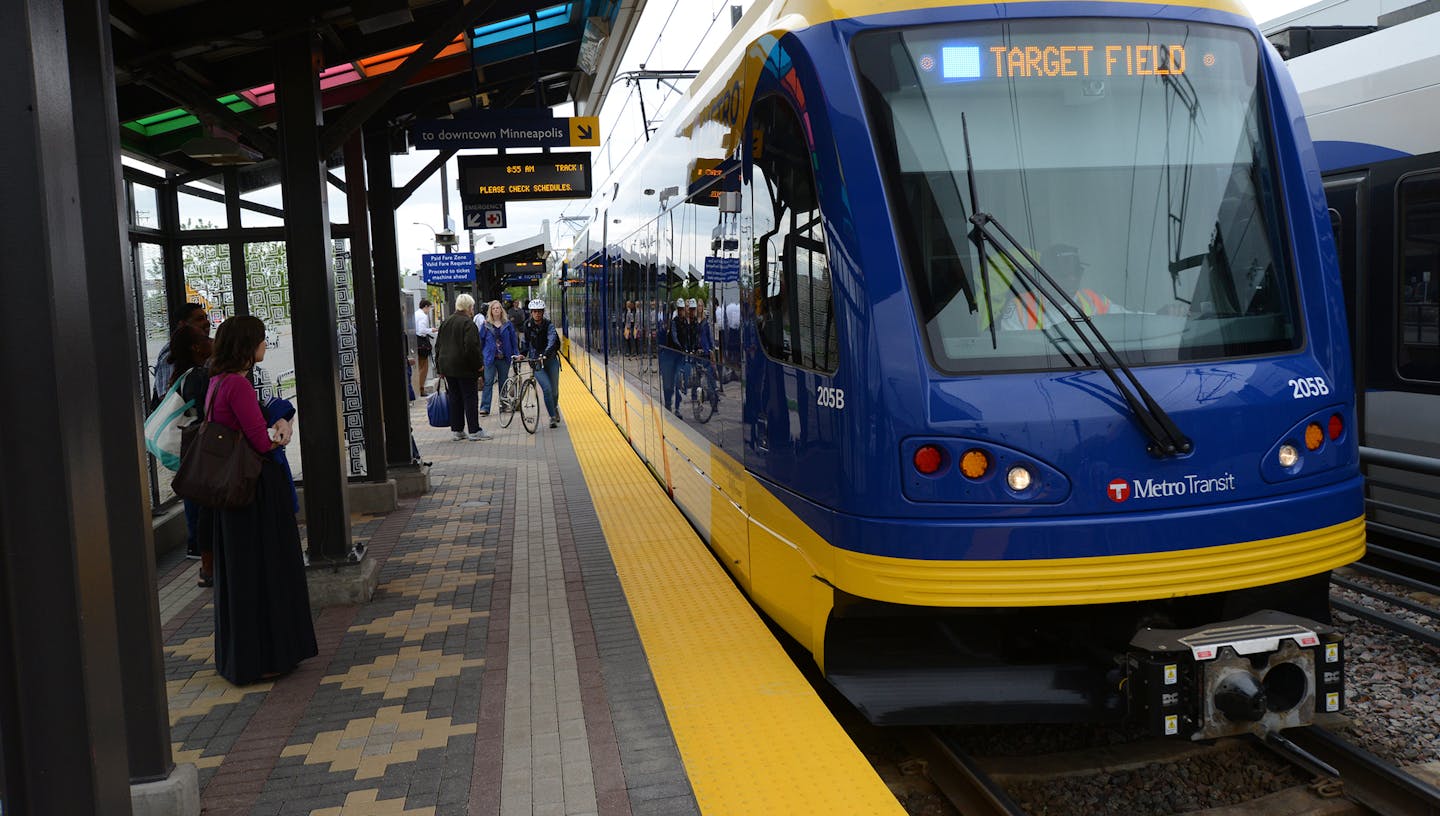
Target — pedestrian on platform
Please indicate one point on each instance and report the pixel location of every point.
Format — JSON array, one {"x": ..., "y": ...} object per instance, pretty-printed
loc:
[
  {"x": 498, "y": 345},
  {"x": 541, "y": 340},
  {"x": 189, "y": 357},
  {"x": 192, "y": 315},
  {"x": 262, "y": 604},
  {"x": 516, "y": 314},
  {"x": 424, "y": 344},
  {"x": 459, "y": 361}
]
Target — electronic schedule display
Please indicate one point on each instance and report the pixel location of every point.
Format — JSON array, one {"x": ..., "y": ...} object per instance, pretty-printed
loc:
[{"x": 525, "y": 177}]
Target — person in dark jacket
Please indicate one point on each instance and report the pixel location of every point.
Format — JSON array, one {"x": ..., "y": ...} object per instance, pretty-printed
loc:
[
  {"x": 540, "y": 338},
  {"x": 514, "y": 312},
  {"x": 188, "y": 357},
  {"x": 458, "y": 360}
]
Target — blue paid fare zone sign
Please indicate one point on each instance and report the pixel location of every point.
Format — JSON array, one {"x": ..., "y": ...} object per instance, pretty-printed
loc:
[
  {"x": 722, "y": 270},
  {"x": 447, "y": 267}
]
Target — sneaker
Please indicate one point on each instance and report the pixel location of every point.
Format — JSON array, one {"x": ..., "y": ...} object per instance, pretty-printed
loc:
[
  {"x": 458, "y": 436},
  {"x": 192, "y": 556},
  {"x": 484, "y": 413},
  {"x": 554, "y": 422},
  {"x": 480, "y": 436}
]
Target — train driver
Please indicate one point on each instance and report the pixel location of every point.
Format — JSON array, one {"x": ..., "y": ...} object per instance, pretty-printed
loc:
[{"x": 1062, "y": 261}]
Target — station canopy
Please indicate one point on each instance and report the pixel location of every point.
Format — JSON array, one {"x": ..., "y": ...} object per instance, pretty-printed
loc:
[{"x": 195, "y": 79}]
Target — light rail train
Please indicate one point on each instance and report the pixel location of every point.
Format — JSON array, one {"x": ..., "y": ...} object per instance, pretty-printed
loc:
[
  {"x": 1372, "y": 105},
  {"x": 1031, "y": 396}
]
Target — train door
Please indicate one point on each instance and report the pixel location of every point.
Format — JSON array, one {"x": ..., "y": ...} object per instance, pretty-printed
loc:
[
  {"x": 1344, "y": 195},
  {"x": 791, "y": 445}
]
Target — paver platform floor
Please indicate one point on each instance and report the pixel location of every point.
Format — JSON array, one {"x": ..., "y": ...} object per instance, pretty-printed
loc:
[{"x": 496, "y": 671}]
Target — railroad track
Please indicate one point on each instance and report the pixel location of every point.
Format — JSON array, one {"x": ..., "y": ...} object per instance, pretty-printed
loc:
[
  {"x": 1366, "y": 779},
  {"x": 959, "y": 777}
]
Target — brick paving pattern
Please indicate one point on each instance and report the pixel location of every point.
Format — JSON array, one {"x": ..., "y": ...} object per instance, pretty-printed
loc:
[{"x": 497, "y": 670}]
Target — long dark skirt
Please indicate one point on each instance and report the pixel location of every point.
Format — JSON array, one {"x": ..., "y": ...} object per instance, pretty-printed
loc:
[{"x": 262, "y": 604}]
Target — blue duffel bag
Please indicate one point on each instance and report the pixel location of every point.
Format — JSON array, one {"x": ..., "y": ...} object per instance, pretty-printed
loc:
[{"x": 438, "y": 407}]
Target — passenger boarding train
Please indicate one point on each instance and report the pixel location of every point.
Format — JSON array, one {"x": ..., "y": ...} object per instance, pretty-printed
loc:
[
  {"x": 1373, "y": 107},
  {"x": 1032, "y": 391}
]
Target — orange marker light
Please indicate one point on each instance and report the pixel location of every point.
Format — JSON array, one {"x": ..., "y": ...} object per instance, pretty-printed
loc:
[
  {"x": 1337, "y": 426},
  {"x": 928, "y": 459},
  {"x": 1314, "y": 437},
  {"x": 974, "y": 463}
]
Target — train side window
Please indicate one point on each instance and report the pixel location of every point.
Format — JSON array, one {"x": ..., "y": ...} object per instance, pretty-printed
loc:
[
  {"x": 1418, "y": 352},
  {"x": 795, "y": 303}
]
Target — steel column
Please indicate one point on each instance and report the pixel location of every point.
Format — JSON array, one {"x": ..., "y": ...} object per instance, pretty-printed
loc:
[
  {"x": 312, "y": 299},
  {"x": 111, "y": 282},
  {"x": 366, "y": 339},
  {"x": 62, "y": 719},
  {"x": 239, "y": 287},
  {"x": 386, "y": 259},
  {"x": 167, "y": 201}
]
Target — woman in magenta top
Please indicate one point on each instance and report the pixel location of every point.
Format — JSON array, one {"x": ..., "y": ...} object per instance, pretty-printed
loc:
[{"x": 262, "y": 603}]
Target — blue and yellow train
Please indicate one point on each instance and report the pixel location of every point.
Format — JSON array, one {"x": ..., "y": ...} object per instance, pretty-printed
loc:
[{"x": 1023, "y": 391}]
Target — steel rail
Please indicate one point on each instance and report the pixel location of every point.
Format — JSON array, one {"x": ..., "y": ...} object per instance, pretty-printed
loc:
[
  {"x": 959, "y": 777},
  {"x": 1368, "y": 780}
]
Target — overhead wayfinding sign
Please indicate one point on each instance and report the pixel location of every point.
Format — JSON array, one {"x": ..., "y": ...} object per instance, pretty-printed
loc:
[
  {"x": 447, "y": 267},
  {"x": 484, "y": 215},
  {"x": 505, "y": 129},
  {"x": 527, "y": 177}
]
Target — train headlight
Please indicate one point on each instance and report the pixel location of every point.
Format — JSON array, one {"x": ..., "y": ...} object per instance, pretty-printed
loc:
[
  {"x": 1288, "y": 456},
  {"x": 1314, "y": 437},
  {"x": 1018, "y": 478}
]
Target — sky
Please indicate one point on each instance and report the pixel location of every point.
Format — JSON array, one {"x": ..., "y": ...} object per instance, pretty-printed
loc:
[{"x": 671, "y": 35}]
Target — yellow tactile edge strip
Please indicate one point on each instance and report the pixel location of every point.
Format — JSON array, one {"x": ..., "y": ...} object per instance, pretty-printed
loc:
[{"x": 753, "y": 735}]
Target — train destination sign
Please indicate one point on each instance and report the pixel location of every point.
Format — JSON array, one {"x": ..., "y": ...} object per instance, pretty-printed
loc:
[
  {"x": 960, "y": 62},
  {"x": 501, "y": 129},
  {"x": 526, "y": 177}
]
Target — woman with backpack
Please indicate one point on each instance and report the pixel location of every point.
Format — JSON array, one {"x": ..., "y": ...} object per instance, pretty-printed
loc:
[{"x": 189, "y": 357}]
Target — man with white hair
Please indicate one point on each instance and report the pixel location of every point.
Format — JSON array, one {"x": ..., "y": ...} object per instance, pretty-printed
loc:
[{"x": 458, "y": 359}]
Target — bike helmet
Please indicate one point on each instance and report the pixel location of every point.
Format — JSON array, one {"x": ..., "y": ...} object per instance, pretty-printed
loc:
[
  {"x": 692, "y": 303},
  {"x": 537, "y": 303}
]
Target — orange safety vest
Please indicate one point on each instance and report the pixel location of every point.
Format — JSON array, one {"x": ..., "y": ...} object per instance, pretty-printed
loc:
[{"x": 1032, "y": 311}]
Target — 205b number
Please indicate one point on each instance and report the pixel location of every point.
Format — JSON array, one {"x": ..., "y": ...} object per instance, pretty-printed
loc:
[
  {"x": 827, "y": 397},
  {"x": 1310, "y": 387}
]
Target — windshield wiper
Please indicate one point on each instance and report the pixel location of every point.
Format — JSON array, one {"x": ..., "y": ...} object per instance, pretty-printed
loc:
[{"x": 1165, "y": 438}]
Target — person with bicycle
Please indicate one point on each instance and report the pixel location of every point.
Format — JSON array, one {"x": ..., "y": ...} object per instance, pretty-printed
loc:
[
  {"x": 699, "y": 347},
  {"x": 540, "y": 339},
  {"x": 497, "y": 343},
  {"x": 682, "y": 340}
]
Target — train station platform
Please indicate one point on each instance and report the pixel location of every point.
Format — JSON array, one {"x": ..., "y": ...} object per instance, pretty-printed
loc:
[{"x": 549, "y": 637}]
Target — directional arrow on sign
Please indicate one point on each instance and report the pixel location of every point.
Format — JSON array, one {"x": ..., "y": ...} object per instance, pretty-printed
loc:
[
  {"x": 474, "y": 220},
  {"x": 585, "y": 132}
]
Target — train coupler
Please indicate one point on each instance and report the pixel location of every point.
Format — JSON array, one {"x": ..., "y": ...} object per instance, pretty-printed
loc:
[{"x": 1255, "y": 675}]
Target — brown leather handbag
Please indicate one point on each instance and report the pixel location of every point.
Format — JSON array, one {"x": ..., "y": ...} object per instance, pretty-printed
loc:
[{"x": 218, "y": 468}]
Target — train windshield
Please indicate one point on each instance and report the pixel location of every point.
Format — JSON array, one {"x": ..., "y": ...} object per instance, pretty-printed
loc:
[{"x": 1128, "y": 158}]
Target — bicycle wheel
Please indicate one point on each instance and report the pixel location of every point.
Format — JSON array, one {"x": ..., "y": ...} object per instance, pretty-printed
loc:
[
  {"x": 700, "y": 403},
  {"x": 530, "y": 406},
  {"x": 508, "y": 401}
]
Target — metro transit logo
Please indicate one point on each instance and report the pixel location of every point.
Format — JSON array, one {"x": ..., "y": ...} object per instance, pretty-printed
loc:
[{"x": 1119, "y": 490}]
